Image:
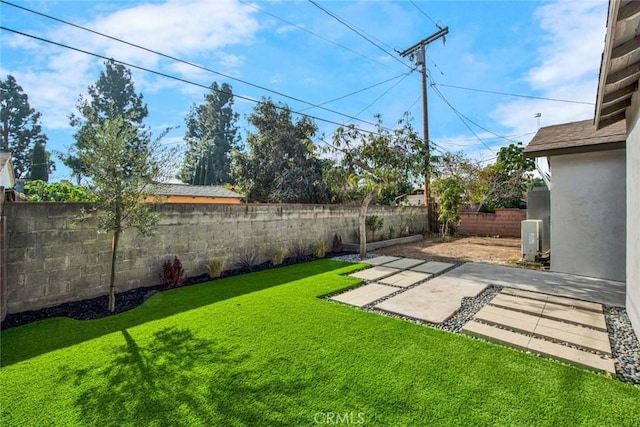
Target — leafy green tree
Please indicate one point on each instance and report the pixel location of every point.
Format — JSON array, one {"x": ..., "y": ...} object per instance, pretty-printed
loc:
[
  {"x": 509, "y": 177},
  {"x": 21, "y": 129},
  {"x": 121, "y": 178},
  {"x": 378, "y": 159},
  {"x": 450, "y": 192},
  {"x": 210, "y": 137},
  {"x": 111, "y": 96},
  {"x": 281, "y": 164},
  {"x": 39, "y": 163},
  {"x": 41, "y": 191}
]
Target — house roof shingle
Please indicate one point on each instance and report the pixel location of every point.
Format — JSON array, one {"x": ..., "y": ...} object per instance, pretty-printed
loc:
[
  {"x": 196, "y": 191},
  {"x": 576, "y": 137}
]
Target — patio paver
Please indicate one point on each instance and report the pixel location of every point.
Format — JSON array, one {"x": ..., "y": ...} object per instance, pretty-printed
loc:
[
  {"x": 432, "y": 267},
  {"x": 379, "y": 260},
  {"x": 405, "y": 263},
  {"x": 527, "y": 323},
  {"x": 405, "y": 278},
  {"x": 540, "y": 346},
  {"x": 374, "y": 273},
  {"x": 571, "y": 302},
  {"x": 365, "y": 294},
  {"x": 433, "y": 301}
]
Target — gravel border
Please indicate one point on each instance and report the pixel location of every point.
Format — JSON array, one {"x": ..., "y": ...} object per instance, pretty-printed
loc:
[{"x": 624, "y": 342}]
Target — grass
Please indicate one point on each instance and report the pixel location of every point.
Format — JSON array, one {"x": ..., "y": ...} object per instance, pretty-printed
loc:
[{"x": 261, "y": 349}]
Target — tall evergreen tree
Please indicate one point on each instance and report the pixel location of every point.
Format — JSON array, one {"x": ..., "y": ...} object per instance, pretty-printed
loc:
[
  {"x": 21, "y": 128},
  {"x": 113, "y": 95},
  {"x": 210, "y": 137},
  {"x": 39, "y": 163},
  {"x": 281, "y": 165}
]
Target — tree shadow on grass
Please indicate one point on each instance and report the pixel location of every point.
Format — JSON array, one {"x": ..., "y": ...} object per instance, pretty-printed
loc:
[
  {"x": 24, "y": 342},
  {"x": 177, "y": 378}
]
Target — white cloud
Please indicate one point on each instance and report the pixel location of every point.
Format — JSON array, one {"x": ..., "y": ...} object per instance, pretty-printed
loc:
[
  {"x": 567, "y": 66},
  {"x": 189, "y": 29}
]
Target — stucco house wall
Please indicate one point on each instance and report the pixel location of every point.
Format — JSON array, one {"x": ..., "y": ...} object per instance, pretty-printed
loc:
[
  {"x": 588, "y": 214},
  {"x": 633, "y": 212}
]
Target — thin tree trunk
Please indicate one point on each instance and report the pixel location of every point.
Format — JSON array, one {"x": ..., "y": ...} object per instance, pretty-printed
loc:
[
  {"x": 363, "y": 223},
  {"x": 112, "y": 280}
]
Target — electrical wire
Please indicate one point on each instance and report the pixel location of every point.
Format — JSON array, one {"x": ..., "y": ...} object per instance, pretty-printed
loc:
[
  {"x": 246, "y": 98},
  {"x": 178, "y": 60},
  {"x": 358, "y": 91},
  {"x": 513, "y": 94},
  {"x": 358, "y": 32},
  {"x": 253, "y": 6},
  {"x": 457, "y": 113},
  {"x": 425, "y": 14}
]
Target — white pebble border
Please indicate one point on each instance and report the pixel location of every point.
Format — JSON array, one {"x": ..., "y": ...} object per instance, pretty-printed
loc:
[{"x": 624, "y": 342}]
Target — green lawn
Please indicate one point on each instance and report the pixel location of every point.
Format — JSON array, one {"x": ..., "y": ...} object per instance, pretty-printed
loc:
[{"x": 262, "y": 349}]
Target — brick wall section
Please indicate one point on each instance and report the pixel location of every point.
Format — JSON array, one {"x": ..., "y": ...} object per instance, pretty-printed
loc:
[
  {"x": 54, "y": 258},
  {"x": 504, "y": 222}
]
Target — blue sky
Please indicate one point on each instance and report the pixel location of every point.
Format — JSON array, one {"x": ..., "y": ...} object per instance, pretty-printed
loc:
[{"x": 542, "y": 49}]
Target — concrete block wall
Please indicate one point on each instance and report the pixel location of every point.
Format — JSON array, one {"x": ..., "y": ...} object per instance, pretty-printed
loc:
[
  {"x": 504, "y": 223},
  {"x": 55, "y": 257}
]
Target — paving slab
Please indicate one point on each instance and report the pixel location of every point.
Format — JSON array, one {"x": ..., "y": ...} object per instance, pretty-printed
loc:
[
  {"x": 374, "y": 273},
  {"x": 580, "y": 287},
  {"x": 405, "y": 278},
  {"x": 570, "y": 302},
  {"x": 365, "y": 294},
  {"x": 572, "y": 355},
  {"x": 379, "y": 260},
  {"x": 521, "y": 304},
  {"x": 575, "y": 315},
  {"x": 540, "y": 346},
  {"x": 433, "y": 267},
  {"x": 405, "y": 263},
  {"x": 501, "y": 336},
  {"x": 547, "y": 328},
  {"x": 433, "y": 301},
  {"x": 517, "y": 321}
]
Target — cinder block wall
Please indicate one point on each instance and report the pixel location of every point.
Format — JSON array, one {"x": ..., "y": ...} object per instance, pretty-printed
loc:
[
  {"x": 504, "y": 223},
  {"x": 53, "y": 257}
]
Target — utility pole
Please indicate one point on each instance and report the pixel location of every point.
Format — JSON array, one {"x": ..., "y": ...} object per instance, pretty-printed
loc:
[{"x": 418, "y": 52}]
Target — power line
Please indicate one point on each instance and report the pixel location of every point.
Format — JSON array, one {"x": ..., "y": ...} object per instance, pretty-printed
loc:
[
  {"x": 246, "y": 98},
  {"x": 437, "y": 91},
  {"x": 253, "y": 6},
  {"x": 360, "y": 90},
  {"x": 513, "y": 94},
  {"x": 355, "y": 30},
  {"x": 383, "y": 94},
  {"x": 425, "y": 14},
  {"x": 177, "y": 60}
]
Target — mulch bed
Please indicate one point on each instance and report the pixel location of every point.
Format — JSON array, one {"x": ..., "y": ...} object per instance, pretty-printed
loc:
[{"x": 96, "y": 308}]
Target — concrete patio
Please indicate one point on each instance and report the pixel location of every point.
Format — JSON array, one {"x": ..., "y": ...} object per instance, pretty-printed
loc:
[{"x": 553, "y": 314}]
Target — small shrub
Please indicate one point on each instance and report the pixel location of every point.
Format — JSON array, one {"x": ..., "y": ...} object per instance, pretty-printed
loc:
[
  {"x": 337, "y": 243},
  {"x": 320, "y": 249},
  {"x": 215, "y": 267},
  {"x": 392, "y": 232},
  {"x": 172, "y": 273},
  {"x": 299, "y": 251},
  {"x": 248, "y": 259},
  {"x": 279, "y": 256},
  {"x": 374, "y": 223}
]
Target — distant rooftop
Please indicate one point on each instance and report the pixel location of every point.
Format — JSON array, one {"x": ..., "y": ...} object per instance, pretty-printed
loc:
[
  {"x": 576, "y": 137},
  {"x": 4, "y": 158},
  {"x": 196, "y": 191}
]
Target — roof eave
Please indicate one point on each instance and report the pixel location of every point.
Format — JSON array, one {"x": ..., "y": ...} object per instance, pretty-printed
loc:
[
  {"x": 620, "y": 145},
  {"x": 606, "y": 60}
]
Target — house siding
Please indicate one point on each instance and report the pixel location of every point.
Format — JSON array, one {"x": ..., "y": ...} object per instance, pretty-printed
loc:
[
  {"x": 588, "y": 214},
  {"x": 633, "y": 213}
]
